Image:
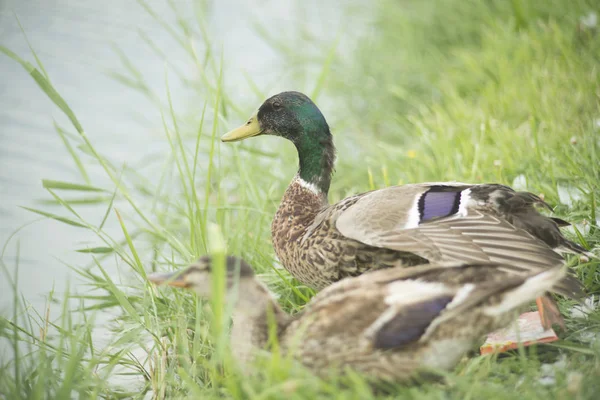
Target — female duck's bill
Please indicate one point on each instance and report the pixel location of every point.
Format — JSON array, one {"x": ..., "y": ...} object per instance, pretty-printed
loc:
[{"x": 175, "y": 279}]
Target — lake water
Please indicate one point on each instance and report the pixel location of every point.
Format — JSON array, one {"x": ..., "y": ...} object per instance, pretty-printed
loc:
[{"x": 75, "y": 42}]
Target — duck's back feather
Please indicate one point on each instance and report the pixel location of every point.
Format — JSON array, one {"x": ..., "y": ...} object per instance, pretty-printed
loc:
[
  {"x": 458, "y": 222},
  {"x": 399, "y": 307}
]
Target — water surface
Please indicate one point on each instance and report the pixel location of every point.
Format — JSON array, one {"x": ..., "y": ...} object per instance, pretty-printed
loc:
[{"x": 76, "y": 42}]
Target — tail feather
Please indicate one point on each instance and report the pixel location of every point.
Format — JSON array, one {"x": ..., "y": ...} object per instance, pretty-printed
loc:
[
  {"x": 570, "y": 286},
  {"x": 569, "y": 247},
  {"x": 547, "y": 229},
  {"x": 519, "y": 209},
  {"x": 532, "y": 288},
  {"x": 560, "y": 222}
]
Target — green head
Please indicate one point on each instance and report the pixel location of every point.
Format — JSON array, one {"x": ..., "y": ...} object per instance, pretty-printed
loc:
[{"x": 293, "y": 116}]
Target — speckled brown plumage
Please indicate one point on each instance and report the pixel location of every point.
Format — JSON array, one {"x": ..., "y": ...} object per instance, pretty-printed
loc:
[
  {"x": 390, "y": 324},
  {"x": 312, "y": 249}
]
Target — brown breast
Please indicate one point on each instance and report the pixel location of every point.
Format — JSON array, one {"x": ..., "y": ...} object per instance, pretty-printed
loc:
[{"x": 324, "y": 255}]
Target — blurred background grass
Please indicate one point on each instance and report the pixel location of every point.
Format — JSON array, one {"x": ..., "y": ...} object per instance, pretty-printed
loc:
[{"x": 477, "y": 91}]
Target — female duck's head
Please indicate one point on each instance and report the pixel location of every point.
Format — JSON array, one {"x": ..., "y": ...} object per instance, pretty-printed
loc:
[{"x": 198, "y": 276}]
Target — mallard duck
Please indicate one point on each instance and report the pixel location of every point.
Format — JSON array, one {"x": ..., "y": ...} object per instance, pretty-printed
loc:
[
  {"x": 388, "y": 324},
  {"x": 319, "y": 243}
]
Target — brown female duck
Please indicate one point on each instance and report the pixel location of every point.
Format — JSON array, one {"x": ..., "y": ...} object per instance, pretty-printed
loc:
[{"x": 389, "y": 324}]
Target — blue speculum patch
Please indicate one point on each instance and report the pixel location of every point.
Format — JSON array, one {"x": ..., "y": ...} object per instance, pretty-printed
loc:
[
  {"x": 410, "y": 324},
  {"x": 437, "y": 203}
]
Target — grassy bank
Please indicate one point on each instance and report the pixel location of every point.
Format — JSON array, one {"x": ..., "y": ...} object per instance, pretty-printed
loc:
[{"x": 471, "y": 90}]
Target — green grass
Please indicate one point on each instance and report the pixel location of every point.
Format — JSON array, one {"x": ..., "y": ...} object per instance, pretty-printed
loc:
[{"x": 479, "y": 91}]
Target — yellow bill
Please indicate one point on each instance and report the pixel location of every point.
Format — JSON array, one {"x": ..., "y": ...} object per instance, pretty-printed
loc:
[{"x": 249, "y": 129}]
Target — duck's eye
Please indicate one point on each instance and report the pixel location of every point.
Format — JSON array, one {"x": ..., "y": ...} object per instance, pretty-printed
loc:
[{"x": 276, "y": 105}]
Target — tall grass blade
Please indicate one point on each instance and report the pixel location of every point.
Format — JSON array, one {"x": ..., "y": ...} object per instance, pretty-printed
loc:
[
  {"x": 60, "y": 185},
  {"x": 46, "y": 86},
  {"x": 64, "y": 220}
]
